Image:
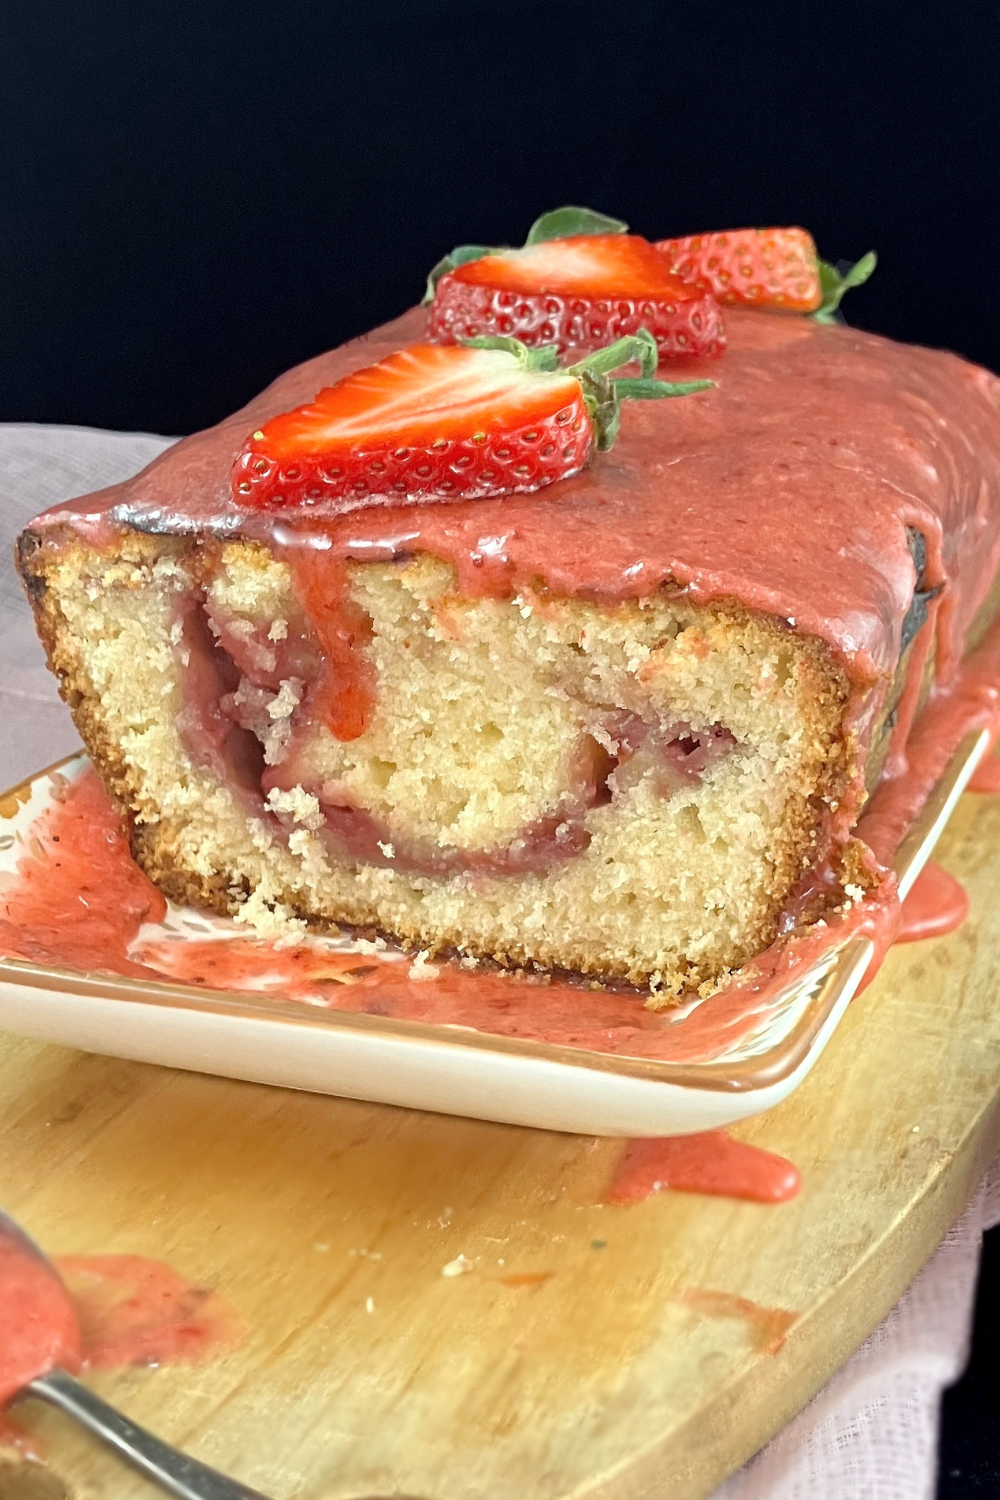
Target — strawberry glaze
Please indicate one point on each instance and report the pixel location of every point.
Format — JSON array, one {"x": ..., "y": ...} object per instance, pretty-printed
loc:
[
  {"x": 34, "y": 902},
  {"x": 38, "y": 1323},
  {"x": 969, "y": 702},
  {"x": 134, "y": 1311},
  {"x": 78, "y": 896},
  {"x": 346, "y": 693},
  {"x": 937, "y": 904},
  {"x": 106, "y": 1311},
  {"x": 768, "y": 1326},
  {"x": 711, "y": 1162}
]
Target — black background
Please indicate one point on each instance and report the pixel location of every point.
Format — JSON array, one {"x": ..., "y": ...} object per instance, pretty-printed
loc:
[{"x": 194, "y": 197}]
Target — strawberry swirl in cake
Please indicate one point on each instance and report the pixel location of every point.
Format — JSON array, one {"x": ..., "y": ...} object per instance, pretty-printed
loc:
[{"x": 462, "y": 634}]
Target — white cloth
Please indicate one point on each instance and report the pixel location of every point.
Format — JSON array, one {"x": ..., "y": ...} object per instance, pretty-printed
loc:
[
  {"x": 871, "y": 1433},
  {"x": 39, "y": 467}
]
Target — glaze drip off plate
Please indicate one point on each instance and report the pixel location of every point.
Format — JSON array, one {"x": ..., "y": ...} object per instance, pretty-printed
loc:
[{"x": 338, "y": 1039}]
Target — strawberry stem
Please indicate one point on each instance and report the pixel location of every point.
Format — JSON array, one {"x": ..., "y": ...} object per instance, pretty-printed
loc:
[
  {"x": 654, "y": 390},
  {"x": 834, "y": 283},
  {"x": 602, "y": 395},
  {"x": 639, "y": 346},
  {"x": 544, "y": 357}
]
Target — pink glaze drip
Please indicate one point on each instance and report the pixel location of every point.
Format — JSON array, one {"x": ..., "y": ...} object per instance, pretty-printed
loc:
[
  {"x": 106, "y": 1311},
  {"x": 970, "y": 702},
  {"x": 768, "y": 1326},
  {"x": 134, "y": 1311},
  {"x": 78, "y": 897},
  {"x": 603, "y": 1020},
  {"x": 909, "y": 703},
  {"x": 344, "y": 698},
  {"x": 937, "y": 904},
  {"x": 712, "y": 1162}
]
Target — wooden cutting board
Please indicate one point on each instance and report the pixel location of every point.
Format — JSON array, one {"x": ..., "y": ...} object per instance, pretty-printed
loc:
[{"x": 591, "y": 1351}]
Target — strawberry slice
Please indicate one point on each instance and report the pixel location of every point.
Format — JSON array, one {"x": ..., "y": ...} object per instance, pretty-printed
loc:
[
  {"x": 578, "y": 282},
  {"x": 763, "y": 268},
  {"x": 445, "y": 423}
]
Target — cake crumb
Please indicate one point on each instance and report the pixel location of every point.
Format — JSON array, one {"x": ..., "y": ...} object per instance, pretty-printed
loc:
[
  {"x": 302, "y": 806},
  {"x": 367, "y": 946},
  {"x": 278, "y": 630},
  {"x": 271, "y": 920},
  {"x": 287, "y": 699},
  {"x": 457, "y": 1267},
  {"x": 421, "y": 969}
]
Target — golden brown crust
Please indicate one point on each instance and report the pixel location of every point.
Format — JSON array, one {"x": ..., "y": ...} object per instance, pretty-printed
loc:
[{"x": 36, "y": 557}]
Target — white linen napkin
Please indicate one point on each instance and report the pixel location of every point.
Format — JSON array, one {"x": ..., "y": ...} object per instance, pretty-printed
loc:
[{"x": 871, "y": 1433}]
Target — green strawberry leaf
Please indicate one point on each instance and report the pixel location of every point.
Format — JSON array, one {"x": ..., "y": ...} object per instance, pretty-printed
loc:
[
  {"x": 563, "y": 222},
  {"x": 833, "y": 284}
]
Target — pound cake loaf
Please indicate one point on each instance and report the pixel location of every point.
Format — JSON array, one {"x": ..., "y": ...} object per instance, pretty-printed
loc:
[{"x": 621, "y": 723}]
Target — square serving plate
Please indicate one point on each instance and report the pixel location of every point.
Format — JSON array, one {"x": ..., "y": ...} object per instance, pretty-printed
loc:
[{"x": 451, "y": 1069}]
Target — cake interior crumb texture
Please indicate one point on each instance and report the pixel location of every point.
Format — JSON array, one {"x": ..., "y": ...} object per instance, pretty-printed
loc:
[{"x": 627, "y": 791}]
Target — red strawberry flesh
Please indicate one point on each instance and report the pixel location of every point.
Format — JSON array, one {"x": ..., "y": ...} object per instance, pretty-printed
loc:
[
  {"x": 587, "y": 265},
  {"x": 427, "y": 423},
  {"x": 577, "y": 293},
  {"x": 750, "y": 267}
]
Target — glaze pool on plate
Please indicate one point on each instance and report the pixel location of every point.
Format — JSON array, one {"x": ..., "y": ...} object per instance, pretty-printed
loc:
[{"x": 434, "y": 1066}]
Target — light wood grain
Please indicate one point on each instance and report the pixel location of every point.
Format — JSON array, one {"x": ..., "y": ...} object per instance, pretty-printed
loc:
[{"x": 633, "y": 1370}]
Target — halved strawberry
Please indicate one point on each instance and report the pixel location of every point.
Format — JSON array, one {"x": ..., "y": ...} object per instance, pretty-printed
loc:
[
  {"x": 763, "y": 268},
  {"x": 750, "y": 267},
  {"x": 574, "y": 284},
  {"x": 445, "y": 423}
]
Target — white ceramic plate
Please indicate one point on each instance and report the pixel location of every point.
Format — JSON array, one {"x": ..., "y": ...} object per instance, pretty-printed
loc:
[{"x": 264, "y": 1038}]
